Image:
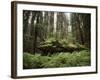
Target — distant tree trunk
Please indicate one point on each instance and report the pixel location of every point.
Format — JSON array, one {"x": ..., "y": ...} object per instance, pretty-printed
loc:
[
  {"x": 55, "y": 23},
  {"x": 29, "y": 24},
  {"x": 43, "y": 15},
  {"x": 81, "y": 28},
  {"x": 37, "y": 27}
]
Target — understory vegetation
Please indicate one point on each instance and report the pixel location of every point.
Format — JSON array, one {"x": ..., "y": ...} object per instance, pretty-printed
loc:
[{"x": 62, "y": 59}]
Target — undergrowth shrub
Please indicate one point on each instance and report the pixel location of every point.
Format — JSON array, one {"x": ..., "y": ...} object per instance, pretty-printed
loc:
[{"x": 62, "y": 59}]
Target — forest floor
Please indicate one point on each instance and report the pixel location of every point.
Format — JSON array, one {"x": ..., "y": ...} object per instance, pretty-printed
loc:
[{"x": 61, "y": 59}]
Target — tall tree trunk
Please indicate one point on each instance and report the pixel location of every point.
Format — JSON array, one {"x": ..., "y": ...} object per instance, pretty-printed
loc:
[
  {"x": 29, "y": 24},
  {"x": 43, "y": 15},
  {"x": 55, "y": 23},
  {"x": 36, "y": 21}
]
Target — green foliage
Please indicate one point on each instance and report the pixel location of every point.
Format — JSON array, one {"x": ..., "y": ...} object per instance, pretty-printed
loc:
[
  {"x": 52, "y": 45},
  {"x": 62, "y": 59},
  {"x": 31, "y": 61},
  {"x": 81, "y": 58},
  {"x": 62, "y": 43},
  {"x": 48, "y": 42}
]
